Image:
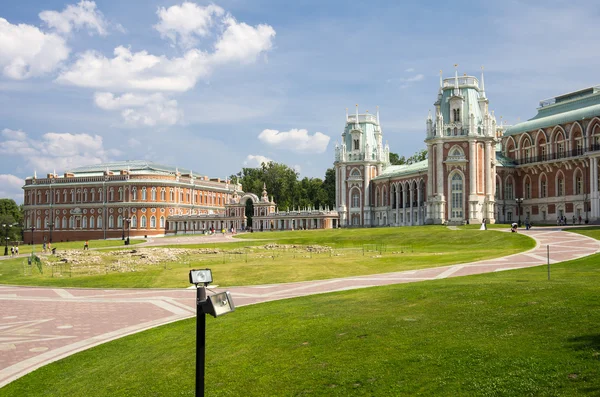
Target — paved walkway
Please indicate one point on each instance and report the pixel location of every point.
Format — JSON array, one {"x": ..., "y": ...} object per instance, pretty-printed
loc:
[{"x": 42, "y": 325}]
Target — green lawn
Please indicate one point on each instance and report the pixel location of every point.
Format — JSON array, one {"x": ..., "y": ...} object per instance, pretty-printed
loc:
[
  {"x": 350, "y": 252},
  {"x": 37, "y": 248},
  {"x": 510, "y": 333}
]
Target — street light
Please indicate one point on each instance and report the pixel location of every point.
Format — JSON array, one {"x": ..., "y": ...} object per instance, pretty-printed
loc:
[
  {"x": 50, "y": 225},
  {"x": 6, "y": 226},
  {"x": 32, "y": 229},
  {"x": 519, "y": 201},
  {"x": 128, "y": 222},
  {"x": 215, "y": 305}
]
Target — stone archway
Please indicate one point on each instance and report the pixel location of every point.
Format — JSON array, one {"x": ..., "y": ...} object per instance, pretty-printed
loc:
[{"x": 247, "y": 201}]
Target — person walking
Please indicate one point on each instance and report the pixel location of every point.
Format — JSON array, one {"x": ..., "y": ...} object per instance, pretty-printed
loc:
[{"x": 86, "y": 246}]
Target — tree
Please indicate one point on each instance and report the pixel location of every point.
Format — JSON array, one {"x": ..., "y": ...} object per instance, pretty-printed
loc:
[
  {"x": 329, "y": 187},
  {"x": 10, "y": 214},
  {"x": 415, "y": 158}
]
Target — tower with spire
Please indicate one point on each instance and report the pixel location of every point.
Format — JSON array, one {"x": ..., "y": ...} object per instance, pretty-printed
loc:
[
  {"x": 461, "y": 140},
  {"x": 359, "y": 158}
]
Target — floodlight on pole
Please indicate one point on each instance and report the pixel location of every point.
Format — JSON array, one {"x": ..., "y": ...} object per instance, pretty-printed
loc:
[{"x": 216, "y": 305}]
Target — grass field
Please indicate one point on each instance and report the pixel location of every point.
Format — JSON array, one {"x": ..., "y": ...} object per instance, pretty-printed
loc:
[
  {"x": 37, "y": 248},
  {"x": 289, "y": 257},
  {"x": 509, "y": 333}
]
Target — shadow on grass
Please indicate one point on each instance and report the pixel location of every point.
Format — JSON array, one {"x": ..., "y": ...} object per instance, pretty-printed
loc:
[{"x": 585, "y": 342}]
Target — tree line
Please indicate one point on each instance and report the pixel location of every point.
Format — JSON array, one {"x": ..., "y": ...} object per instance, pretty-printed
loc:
[{"x": 289, "y": 192}]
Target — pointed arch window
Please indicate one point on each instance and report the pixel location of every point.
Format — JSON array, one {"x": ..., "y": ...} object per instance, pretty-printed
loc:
[
  {"x": 356, "y": 144},
  {"x": 93, "y": 195},
  {"x": 355, "y": 199},
  {"x": 111, "y": 222},
  {"x": 99, "y": 221},
  {"x": 144, "y": 194},
  {"x": 527, "y": 188},
  {"x": 134, "y": 221},
  {"x": 162, "y": 221},
  {"x": 134, "y": 193},
  {"x": 72, "y": 222},
  {"x": 457, "y": 195},
  {"x": 143, "y": 222},
  {"x": 120, "y": 194},
  {"x": 509, "y": 192},
  {"x": 162, "y": 194},
  {"x": 153, "y": 222},
  {"x": 543, "y": 187},
  {"x": 153, "y": 194},
  {"x": 560, "y": 185},
  {"x": 578, "y": 184},
  {"x": 120, "y": 222},
  {"x": 84, "y": 222},
  {"x": 111, "y": 194}
]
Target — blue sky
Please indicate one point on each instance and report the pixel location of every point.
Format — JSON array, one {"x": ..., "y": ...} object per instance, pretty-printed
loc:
[{"x": 219, "y": 86}]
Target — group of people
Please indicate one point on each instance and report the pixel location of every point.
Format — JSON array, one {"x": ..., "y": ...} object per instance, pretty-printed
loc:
[
  {"x": 14, "y": 250},
  {"x": 562, "y": 220}
]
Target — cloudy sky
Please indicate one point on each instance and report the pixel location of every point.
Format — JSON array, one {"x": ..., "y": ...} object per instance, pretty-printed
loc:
[{"x": 218, "y": 86}]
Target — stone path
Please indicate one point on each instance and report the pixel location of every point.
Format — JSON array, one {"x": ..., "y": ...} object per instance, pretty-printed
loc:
[{"x": 42, "y": 325}]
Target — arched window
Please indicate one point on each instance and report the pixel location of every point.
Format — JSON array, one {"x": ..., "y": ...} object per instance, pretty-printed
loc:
[
  {"x": 377, "y": 204},
  {"x": 71, "y": 222},
  {"x": 38, "y": 223},
  {"x": 162, "y": 194},
  {"x": 72, "y": 195},
  {"x": 134, "y": 221},
  {"x": 64, "y": 222},
  {"x": 93, "y": 195},
  {"x": 120, "y": 222},
  {"x": 356, "y": 144},
  {"x": 560, "y": 185},
  {"x": 509, "y": 192},
  {"x": 92, "y": 222},
  {"x": 99, "y": 221},
  {"x": 120, "y": 194},
  {"x": 172, "y": 194},
  {"x": 144, "y": 197},
  {"x": 181, "y": 196},
  {"x": 57, "y": 197},
  {"x": 153, "y": 222},
  {"x": 457, "y": 195},
  {"x": 143, "y": 222},
  {"x": 84, "y": 222},
  {"x": 162, "y": 221},
  {"x": 543, "y": 186},
  {"x": 134, "y": 193},
  {"x": 153, "y": 194},
  {"x": 57, "y": 222},
  {"x": 85, "y": 195},
  {"x": 100, "y": 195},
  {"x": 527, "y": 188},
  {"x": 111, "y": 222},
  {"x": 578, "y": 183},
  {"x": 355, "y": 199},
  {"x": 111, "y": 193}
]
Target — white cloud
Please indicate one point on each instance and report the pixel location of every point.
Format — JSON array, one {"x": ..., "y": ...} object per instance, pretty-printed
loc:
[
  {"x": 76, "y": 16},
  {"x": 417, "y": 77},
  {"x": 409, "y": 70},
  {"x": 296, "y": 140},
  {"x": 136, "y": 71},
  {"x": 11, "y": 187},
  {"x": 12, "y": 134},
  {"x": 243, "y": 43},
  {"x": 183, "y": 24},
  {"x": 127, "y": 70},
  {"x": 26, "y": 51},
  {"x": 141, "y": 110},
  {"x": 58, "y": 151},
  {"x": 132, "y": 142},
  {"x": 255, "y": 161}
]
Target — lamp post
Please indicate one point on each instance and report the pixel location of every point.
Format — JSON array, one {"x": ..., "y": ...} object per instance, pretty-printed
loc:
[
  {"x": 128, "y": 221},
  {"x": 6, "y": 226},
  {"x": 215, "y": 305},
  {"x": 50, "y": 226},
  {"x": 519, "y": 202}
]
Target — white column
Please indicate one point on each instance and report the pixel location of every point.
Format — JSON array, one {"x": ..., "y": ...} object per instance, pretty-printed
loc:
[
  {"x": 594, "y": 196},
  {"x": 411, "y": 195},
  {"x": 472, "y": 169},
  {"x": 440, "y": 170},
  {"x": 419, "y": 204},
  {"x": 429, "y": 171}
]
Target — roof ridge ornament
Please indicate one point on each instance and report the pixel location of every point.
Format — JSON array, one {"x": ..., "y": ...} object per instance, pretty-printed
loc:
[{"x": 482, "y": 84}]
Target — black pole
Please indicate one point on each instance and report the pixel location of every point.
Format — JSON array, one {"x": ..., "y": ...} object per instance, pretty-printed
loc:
[
  {"x": 200, "y": 339},
  {"x": 6, "y": 246}
]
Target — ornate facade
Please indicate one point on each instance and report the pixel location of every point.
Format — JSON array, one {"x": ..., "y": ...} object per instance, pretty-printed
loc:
[
  {"x": 140, "y": 198},
  {"x": 540, "y": 170}
]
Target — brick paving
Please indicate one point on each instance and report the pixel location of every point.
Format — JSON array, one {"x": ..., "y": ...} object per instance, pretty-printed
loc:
[{"x": 42, "y": 325}]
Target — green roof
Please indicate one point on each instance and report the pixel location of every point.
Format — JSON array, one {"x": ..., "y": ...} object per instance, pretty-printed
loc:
[
  {"x": 579, "y": 105},
  {"x": 402, "y": 170},
  {"x": 134, "y": 166},
  {"x": 504, "y": 161}
]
